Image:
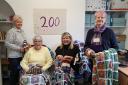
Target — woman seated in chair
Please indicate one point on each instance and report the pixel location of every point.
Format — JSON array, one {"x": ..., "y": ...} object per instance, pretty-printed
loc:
[
  {"x": 37, "y": 59},
  {"x": 67, "y": 53}
]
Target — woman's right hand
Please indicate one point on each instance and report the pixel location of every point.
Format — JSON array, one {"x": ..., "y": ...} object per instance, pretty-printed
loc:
[
  {"x": 21, "y": 49},
  {"x": 59, "y": 57}
]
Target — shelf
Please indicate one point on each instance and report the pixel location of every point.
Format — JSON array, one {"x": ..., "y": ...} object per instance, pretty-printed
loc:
[
  {"x": 117, "y": 26},
  {"x": 115, "y": 19},
  {"x": 108, "y": 11},
  {"x": 2, "y": 41},
  {"x": 116, "y": 10},
  {"x": 4, "y": 61},
  {"x": 4, "y": 22},
  {"x": 108, "y": 26},
  {"x": 121, "y": 37},
  {"x": 108, "y": 5}
]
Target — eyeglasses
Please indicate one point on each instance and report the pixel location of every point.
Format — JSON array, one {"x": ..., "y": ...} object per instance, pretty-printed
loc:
[{"x": 37, "y": 41}]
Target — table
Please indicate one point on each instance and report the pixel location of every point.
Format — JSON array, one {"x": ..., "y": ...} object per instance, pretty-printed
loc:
[{"x": 123, "y": 75}]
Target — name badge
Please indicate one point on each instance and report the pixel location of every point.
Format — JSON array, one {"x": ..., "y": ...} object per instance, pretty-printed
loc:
[{"x": 96, "y": 40}]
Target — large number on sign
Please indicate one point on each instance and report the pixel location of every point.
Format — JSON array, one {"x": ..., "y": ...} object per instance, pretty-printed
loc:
[{"x": 49, "y": 22}]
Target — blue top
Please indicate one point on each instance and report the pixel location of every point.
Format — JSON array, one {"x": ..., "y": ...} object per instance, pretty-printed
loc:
[{"x": 108, "y": 40}]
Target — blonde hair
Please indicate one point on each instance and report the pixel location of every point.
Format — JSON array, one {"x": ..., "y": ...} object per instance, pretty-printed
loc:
[
  {"x": 15, "y": 18},
  {"x": 69, "y": 35}
]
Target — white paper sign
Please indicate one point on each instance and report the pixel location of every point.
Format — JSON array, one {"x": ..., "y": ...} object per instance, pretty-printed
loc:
[{"x": 49, "y": 21}]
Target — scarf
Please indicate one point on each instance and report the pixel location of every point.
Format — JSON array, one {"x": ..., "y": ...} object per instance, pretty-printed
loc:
[{"x": 96, "y": 40}]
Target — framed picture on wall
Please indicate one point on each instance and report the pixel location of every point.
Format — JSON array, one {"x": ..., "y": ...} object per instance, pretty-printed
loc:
[{"x": 49, "y": 21}]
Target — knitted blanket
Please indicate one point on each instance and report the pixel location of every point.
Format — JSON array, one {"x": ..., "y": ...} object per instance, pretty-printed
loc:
[
  {"x": 30, "y": 79},
  {"x": 105, "y": 68}
]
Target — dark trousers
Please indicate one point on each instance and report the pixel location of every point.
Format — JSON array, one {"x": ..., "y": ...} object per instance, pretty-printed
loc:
[
  {"x": 91, "y": 67},
  {"x": 14, "y": 67}
]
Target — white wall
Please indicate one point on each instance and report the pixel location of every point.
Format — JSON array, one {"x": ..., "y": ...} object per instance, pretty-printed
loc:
[
  {"x": 75, "y": 17},
  {"x": 126, "y": 32}
]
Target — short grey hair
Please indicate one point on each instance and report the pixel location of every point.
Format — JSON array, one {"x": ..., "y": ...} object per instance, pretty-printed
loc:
[
  {"x": 37, "y": 37},
  {"x": 101, "y": 12}
]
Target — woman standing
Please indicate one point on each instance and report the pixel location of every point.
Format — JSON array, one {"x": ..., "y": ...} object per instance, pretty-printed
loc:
[
  {"x": 14, "y": 41},
  {"x": 99, "y": 38}
]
